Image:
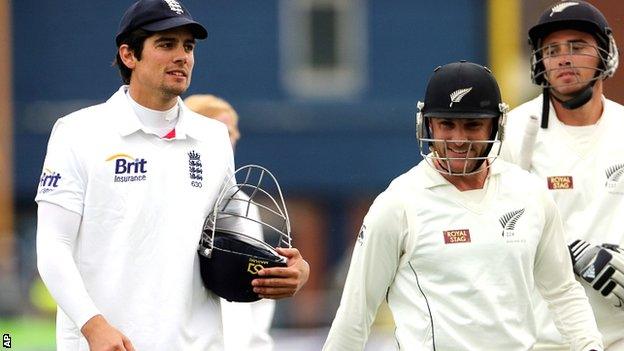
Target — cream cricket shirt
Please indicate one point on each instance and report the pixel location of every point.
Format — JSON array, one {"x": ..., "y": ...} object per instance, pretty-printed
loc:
[
  {"x": 582, "y": 168},
  {"x": 458, "y": 274},
  {"x": 143, "y": 201}
]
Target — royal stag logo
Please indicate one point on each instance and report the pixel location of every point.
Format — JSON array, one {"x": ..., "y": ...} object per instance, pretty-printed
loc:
[
  {"x": 458, "y": 95},
  {"x": 508, "y": 222}
]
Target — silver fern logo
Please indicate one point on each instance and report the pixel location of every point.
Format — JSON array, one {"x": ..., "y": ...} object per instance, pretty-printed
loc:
[
  {"x": 560, "y": 7},
  {"x": 614, "y": 173},
  {"x": 508, "y": 222},
  {"x": 458, "y": 95},
  {"x": 614, "y": 177}
]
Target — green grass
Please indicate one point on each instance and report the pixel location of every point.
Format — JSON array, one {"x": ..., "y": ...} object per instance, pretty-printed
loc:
[{"x": 29, "y": 334}]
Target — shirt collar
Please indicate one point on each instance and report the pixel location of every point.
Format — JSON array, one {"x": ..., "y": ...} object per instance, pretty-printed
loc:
[
  {"x": 433, "y": 178},
  {"x": 128, "y": 123},
  {"x": 189, "y": 123}
]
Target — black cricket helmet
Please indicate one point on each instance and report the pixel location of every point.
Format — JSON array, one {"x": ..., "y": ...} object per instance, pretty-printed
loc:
[
  {"x": 234, "y": 245},
  {"x": 461, "y": 90},
  {"x": 577, "y": 15}
]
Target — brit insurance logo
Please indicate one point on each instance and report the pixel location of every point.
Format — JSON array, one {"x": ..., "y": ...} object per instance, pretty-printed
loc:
[
  {"x": 196, "y": 173},
  {"x": 128, "y": 168},
  {"x": 508, "y": 221},
  {"x": 614, "y": 177},
  {"x": 49, "y": 181}
]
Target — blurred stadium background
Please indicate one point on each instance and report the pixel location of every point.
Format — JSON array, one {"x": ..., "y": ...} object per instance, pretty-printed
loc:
[{"x": 326, "y": 91}]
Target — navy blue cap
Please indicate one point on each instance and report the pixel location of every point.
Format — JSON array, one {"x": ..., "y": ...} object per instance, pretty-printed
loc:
[{"x": 157, "y": 15}]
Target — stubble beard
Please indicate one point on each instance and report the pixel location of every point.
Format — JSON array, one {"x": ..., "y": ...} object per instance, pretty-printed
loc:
[
  {"x": 567, "y": 91},
  {"x": 457, "y": 166},
  {"x": 173, "y": 91}
]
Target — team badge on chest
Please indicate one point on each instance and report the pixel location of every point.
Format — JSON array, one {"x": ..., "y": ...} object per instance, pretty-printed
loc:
[
  {"x": 614, "y": 182},
  {"x": 196, "y": 172},
  {"x": 508, "y": 221}
]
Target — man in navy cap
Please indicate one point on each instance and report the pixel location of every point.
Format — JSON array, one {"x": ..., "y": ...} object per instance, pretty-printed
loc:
[{"x": 125, "y": 188}]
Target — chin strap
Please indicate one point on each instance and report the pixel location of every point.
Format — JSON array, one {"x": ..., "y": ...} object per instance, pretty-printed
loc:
[
  {"x": 545, "y": 107},
  {"x": 474, "y": 169},
  {"x": 577, "y": 101}
]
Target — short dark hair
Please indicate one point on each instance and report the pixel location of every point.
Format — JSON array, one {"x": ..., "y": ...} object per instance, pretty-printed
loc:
[{"x": 135, "y": 41}]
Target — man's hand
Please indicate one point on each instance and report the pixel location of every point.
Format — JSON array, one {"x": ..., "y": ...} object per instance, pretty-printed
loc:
[
  {"x": 280, "y": 282},
  {"x": 602, "y": 267},
  {"x": 101, "y": 336}
]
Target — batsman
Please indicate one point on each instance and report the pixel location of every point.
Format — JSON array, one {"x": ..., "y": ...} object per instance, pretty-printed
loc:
[
  {"x": 571, "y": 137},
  {"x": 457, "y": 244}
]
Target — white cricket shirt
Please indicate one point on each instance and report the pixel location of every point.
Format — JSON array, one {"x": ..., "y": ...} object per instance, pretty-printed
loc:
[
  {"x": 458, "y": 274},
  {"x": 582, "y": 169},
  {"x": 143, "y": 201},
  {"x": 246, "y": 325}
]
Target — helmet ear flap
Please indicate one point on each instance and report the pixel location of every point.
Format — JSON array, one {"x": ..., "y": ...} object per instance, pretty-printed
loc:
[
  {"x": 502, "y": 120},
  {"x": 613, "y": 58},
  {"x": 419, "y": 120}
]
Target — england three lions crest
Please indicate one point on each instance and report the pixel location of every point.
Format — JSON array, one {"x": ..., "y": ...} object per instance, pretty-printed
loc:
[{"x": 196, "y": 172}]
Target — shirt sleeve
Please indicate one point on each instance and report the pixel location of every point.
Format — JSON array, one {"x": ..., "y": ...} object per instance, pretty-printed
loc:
[
  {"x": 60, "y": 197},
  {"x": 374, "y": 263},
  {"x": 246, "y": 325},
  {"x": 555, "y": 281},
  {"x": 63, "y": 178},
  {"x": 57, "y": 229}
]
